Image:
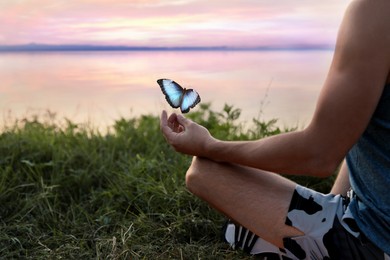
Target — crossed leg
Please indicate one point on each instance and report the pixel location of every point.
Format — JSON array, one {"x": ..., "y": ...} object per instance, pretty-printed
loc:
[{"x": 256, "y": 199}]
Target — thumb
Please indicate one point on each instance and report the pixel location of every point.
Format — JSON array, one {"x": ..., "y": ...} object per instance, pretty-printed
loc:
[{"x": 182, "y": 120}]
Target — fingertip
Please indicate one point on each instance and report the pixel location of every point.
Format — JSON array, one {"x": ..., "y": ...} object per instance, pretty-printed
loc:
[
  {"x": 163, "y": 119},
  {"x": 172, "y": 117},
  {"x": 163, "y": 113},
  {"x": 181, "y": 118}
]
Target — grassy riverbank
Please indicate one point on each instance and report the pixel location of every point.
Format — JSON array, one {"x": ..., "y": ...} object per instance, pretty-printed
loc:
[{"x": 70, "y": 192}]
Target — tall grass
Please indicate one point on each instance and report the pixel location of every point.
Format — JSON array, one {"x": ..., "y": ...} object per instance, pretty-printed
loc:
[{"x": 70, "y": 192}]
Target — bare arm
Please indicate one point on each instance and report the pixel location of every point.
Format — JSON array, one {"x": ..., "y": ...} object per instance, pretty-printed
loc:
[
  {"x": 342, "y": 185},
  {"x": 350, "y": 94}
]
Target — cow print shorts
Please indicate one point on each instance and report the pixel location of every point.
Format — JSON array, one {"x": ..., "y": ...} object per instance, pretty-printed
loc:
[{"x": 330, "y": 231}]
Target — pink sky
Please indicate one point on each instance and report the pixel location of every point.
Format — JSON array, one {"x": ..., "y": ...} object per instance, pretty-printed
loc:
[{"x": 170, "y": 23}]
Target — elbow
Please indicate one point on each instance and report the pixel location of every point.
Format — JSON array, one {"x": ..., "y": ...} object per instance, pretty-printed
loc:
[
  {"x": 323, "y": 153},
  {"x": 326, "y": 171},
  {"x": 323, "y": 166}
]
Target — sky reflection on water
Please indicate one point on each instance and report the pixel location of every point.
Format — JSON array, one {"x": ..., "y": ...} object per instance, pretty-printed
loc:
[{"x": 101, "y": 87}]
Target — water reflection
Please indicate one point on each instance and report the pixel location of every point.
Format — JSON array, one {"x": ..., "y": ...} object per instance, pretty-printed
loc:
[{"x": 101, "y": 87}]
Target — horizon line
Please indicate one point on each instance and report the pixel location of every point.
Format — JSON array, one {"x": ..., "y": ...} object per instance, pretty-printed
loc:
[{"x": 39, "y": 47}]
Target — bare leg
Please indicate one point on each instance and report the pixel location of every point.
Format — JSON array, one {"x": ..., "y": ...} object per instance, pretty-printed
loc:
[
  {"x": 256, "y": 199},
  {"x": 342, "y": 185}
]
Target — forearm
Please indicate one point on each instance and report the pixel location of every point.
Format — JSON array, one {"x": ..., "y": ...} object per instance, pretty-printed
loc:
[{"x": 289, "y": 153}]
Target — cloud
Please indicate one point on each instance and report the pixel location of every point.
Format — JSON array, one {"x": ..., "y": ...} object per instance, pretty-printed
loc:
[{"x": 169, "y": 23}]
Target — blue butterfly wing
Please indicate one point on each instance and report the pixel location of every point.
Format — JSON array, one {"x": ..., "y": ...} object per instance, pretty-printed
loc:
[
  {"x": 173, "y": 92},
  {"x": 190, "y": 99}
]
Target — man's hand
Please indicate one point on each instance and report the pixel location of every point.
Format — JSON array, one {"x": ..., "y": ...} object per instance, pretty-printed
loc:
[{"x": 184, "y": 135}]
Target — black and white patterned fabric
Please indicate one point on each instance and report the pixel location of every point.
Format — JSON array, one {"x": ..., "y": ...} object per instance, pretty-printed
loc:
[{"x": 329, "y": 227}]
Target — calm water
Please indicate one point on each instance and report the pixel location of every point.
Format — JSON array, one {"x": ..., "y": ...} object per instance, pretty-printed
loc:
[{"x": 100, "y": 87}]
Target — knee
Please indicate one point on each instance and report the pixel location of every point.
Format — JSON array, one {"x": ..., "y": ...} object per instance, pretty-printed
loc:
[{"x": 194, "y": 175}]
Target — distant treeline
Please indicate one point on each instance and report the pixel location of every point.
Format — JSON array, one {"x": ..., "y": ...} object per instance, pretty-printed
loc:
[{"x": 82, "y": 47}]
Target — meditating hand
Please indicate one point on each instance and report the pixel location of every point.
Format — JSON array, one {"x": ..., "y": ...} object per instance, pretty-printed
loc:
[{"x": 184, "y": 135}]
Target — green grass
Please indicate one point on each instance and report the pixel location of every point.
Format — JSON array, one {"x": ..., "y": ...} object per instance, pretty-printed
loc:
[{"x": 71, "y": 192}]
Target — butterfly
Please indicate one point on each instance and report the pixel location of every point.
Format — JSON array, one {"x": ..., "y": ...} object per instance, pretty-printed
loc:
[{"x": 178, "y": 96}]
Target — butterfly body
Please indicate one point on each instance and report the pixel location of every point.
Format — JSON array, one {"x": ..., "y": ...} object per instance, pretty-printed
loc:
[{"x": 178, "y": 96}]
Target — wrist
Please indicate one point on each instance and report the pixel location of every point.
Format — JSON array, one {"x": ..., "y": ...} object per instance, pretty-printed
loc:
[{"x": 209, "y": 148}]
